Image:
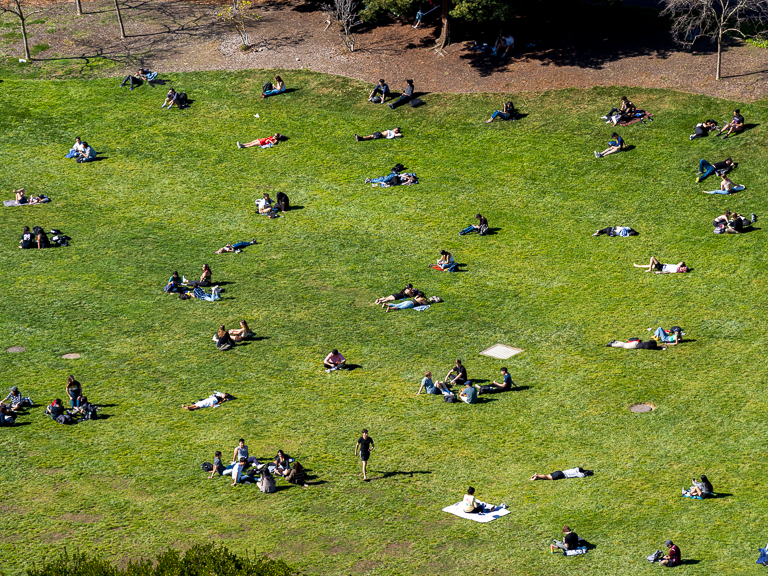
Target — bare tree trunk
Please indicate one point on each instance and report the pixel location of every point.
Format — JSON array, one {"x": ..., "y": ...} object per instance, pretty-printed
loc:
[
  {"x": 120, "y": 20},
  {"x": 445, "y": 33},
  {"x": 79, "y": 7},
  {"x": 24, "y": 36},
  {"x": 719, "y": 54}
]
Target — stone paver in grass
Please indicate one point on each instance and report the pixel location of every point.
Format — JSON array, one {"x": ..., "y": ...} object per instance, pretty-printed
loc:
[
  {"x": 501, "y": 351},
  {"x": 16, "y": 349},
  {"x": 70, "y": 356},
  {"x": 640, "y": 408}
]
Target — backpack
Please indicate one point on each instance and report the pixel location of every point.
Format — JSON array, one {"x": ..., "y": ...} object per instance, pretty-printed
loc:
[
  {"x": 720, "y": 229},
  {"x": 397, "y": 168},
  {"x": 207, "y": 466},
  {"x": 483, "y": 229},
  {"x": 415, "y": 102},
  {"x": 267, "y": 87},
  {"x": 376, "y": 100},
  {"x": 90, "y": 412},
  {"x": 182, "y": 98},
  {"x": 184, "y": 296},
  {"x": 450, "y": 398},
  {"x": 656, "y": 556},
  {"x": 64, "y": 419}
]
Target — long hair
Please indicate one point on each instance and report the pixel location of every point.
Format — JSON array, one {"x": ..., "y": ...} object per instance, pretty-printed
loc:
[
  {"x": 221, "y": 331},
  {"x": 278, "y": 78},
  {"x": 244, "y": 326},
  {"x": 707, "y": 484}
]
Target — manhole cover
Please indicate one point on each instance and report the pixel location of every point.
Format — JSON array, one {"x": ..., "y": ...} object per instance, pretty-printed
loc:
[
  {"x": 71, "y": 356},
  {"x": 15, "y": 349},
  {"x": 642, "y": 408}
]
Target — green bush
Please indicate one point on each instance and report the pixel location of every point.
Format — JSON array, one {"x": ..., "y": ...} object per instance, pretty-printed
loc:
[{"x": 200, "y": 560}]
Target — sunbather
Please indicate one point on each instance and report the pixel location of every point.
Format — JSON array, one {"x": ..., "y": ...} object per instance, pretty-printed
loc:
[
  {"x": 507, "y": 113},
  {"x": 268, "y": 142},
  {"x": 702, "y": 129},
  {"x": 735, "y": 126},
  {"x": 394, "y": 179},
  {"x": 726, "y": 187},
  {"x": 506, "y": 384},
  {"x": 701, "y": 489},
  {"x": 706, "y": 169},
  {"x": 670, "y": 337},
  {"x": 21, "y": 197},
  {"x": 614, "y": 146},
  {"x": 76, "y": 150},
  {"x": 223, "y": 339},
  {"x": 234, "y": 247},
  {"x": 616, "y": 231},
  {"x": 388, "y": 134},
  {"x": 659, "y": 268},
  {"x": 636, "y": 344},
  {"x": 142, "y": 75},
  {"x": 418, "y": 300},
  {"x": 240, "y": 334},
  {"x": 577, "y": 472},
  {"x": 214, "y": 399},
  {"x": 39, "y": 199},
  {"x": 278, "y": 88},
  {"x": 407, "y": 292}
]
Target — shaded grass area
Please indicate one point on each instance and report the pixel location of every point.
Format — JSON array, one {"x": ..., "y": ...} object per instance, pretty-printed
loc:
[{"x": 173, "y": 188}]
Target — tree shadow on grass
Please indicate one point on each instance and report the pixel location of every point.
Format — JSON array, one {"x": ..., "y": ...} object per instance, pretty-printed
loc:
[{"x": 393, "y": 473}]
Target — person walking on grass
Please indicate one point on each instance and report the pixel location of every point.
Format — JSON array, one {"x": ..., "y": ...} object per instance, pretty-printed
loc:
[{"x": 364, "y": 446}]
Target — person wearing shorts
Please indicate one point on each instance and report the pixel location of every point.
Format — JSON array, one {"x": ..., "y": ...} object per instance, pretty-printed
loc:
[
  {"x": 658, "y": 268},
  {"x": 388, "y": 134},
  {"x": 578, "y": 472},
  {"x": 364, "y": 446}
]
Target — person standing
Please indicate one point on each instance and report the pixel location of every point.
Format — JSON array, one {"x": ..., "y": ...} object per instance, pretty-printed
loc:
[{"x": 364, "y": 446}]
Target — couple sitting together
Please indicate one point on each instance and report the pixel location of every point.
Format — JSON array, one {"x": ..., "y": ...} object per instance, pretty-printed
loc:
[{"x": 226, "y": 339}]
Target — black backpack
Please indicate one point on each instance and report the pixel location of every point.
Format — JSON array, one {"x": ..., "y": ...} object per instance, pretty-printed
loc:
[
  {"x": 90, "y": 412},
  {"x": 415, "y": 102},
  {"x": 64, "y": 419},
  {"x": 450, "y": 398},
  {"x": 397, "y": 168},
  {"x": 207, "y": 466},
  {"x": 267, "y": 87}
]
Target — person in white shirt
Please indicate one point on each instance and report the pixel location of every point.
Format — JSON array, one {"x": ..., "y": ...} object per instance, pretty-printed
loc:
[
  {"x": 388, "y": 134},
  {"x": 578, "y": 472},
  {"x": 506, "y": 43},
  {"x": 659, "y": 268},
  {"x": 76, "y": 150}
]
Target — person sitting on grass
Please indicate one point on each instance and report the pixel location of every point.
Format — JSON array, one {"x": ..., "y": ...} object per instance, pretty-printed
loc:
[
  {"x": 334, "y": 361},
  {"x": 735, "y": 126},
  {"x": 468, "y": 394},
  {"x": 41, "y": 238},
  {"x": 267, "y": 482},
  {"x": 267, "y": 142},
  {"x": 726, "y": 187},
  {"x": 405, "y": 96},
  {"x": 77, "y": 148},
  {"x": 570, "y": 540},
  {"x": 87, "y": 155},
  {"x": 215, "y": 399},
  {"x": 706, "y": 169},
  {"x": 27, "y": 239},
  {"x": 177, "y": 98},
  {"x": 55, "y": 409},
  {"x": 174, "y": 283},
  {"x": 223, "y": 340},
  {"x": 508, "y": 113},
  {"x": 283, "y": 203},
  {"x": 506, "y": 384},
  {"x": 297, "y": 476},
  {"x": 446, "y": 261},
  {"x": 218, "y": 467},
  {"x": 205, "y": 278},
  {"x": 7, "y": 416},
  {"x": 577, "y": 472},
  {"x": 407, "y": 292},
  {"x": 738, "y": 224},
  {"x": 616, "y": 231},
  {"x": 282, "y": 464},
  {"x": 659, "y": 268},
  {"x": 265, "y": 204},
  {"x": 234, "y": 247},
  {"x": 701, "y": 489},
  {"x": 636, "y": 344},
  {"x": 703, "y": 129},
  {"x": 380, "y": 88},
  {"x": 240, "y": 334},
  {"x": 624, "y": 112},
  {"x": 430, "y": 387},
  {"x": 481, "y": 227},
  {"x": 673, "y": 557},
  {"x": 470, "y": 504},
  {"x": 278, "y": 88},
  {"x": 419, "y": 299},
  {"x": 238, "y": 473},
  {"x": 460, "y": 377},
  {"x": 388, "y": 134},
  {"x": 614, "y": 146},
  {"x": 669, "y": 337},
  {"x": 17, "y": 401}
]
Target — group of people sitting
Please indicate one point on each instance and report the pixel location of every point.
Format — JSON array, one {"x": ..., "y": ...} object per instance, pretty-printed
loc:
[
  {"x": 733, "y": 223},
  {"x": 244, "y": 469},
  {"x": 269, "y": 208},
  {"x": 12, "y": 404},
  {"x": 457, "y": 376},
  {"x": 226, "y": 339},
  {"x": 408, "y": 297},
  {"x": 735, "y": 126},
  {"x": 79, "y": 405},
  {"x": 36, "y": 238},
  {"x": 81, "y": 151}
]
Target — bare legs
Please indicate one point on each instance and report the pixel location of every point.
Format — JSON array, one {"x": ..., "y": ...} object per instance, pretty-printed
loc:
[
  {"x": 650, "y": 266},
  {"x": 541, "y": 477}
]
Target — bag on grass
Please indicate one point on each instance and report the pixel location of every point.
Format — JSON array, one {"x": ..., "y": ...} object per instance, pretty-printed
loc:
[
  {"x": 376, "y": 100},
  {"x": 64, "y": 419},
  {"x": 90, "y": 412},
  {"x": 207, "y": 466},
  {"x": 656, "y": 556},
  {"x": 450, "y": 398},
  {"x": 415, "y": 102},
  {"x": 483, "y": 229},
  {"x": 267, "y": 87}
]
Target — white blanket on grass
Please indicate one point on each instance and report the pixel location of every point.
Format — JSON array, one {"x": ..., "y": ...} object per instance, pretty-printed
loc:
[{"x": 458, "y": 510}]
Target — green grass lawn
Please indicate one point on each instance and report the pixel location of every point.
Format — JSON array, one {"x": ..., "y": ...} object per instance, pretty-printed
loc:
[{"x": 172, "y": 188}]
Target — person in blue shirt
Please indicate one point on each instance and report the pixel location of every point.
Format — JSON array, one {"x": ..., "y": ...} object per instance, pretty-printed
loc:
[
  {"x": 468, "y": 394},
  {"x": 381, "y": 88},
  {"x": 614, "y": 146},
  {"x": 506, "y": 384}
]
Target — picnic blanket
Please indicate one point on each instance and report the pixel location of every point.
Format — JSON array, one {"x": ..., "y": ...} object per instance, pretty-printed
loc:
[
  {"x": 636, "y": 119},
  {"x": 451, "y": 268},
  {"x": 763, "y": 556},
  {"x": 15, "y": 203},
  {"x": 489, "y": 516},
  {"x": 422, "y": 308}
]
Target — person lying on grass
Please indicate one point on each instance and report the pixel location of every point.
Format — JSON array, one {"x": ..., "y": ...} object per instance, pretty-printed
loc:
[
  {"x": 658, "y": 268},
  {"x": 223, "y": 340},
  {"x": 735, "y": 126},
  {"x": 706, "y": 169},
  {"x": 430, "y": 387},
  {"x": 20, "y": 196},
  {"x": 334, "y": 361},
  {"x": 506, "y": 384},
  {"x": 277, "y": 88},
  {"x": 616, "y": 231},
  {"x": 407, "y": 292},
  {"x": 726, "y": 187},
  {"x": 508, "y": 112},
  {"x": 418, "y": 300},
  {"x": 636, "y": 344},
  {"x": 577, "y": 472},
  {"x": 267, "y": 142},
  {"x": 394, "y": 179},
  {"x": 234, "y": 247},
  {"x": 702, "y": 129},
  {"x": 215, "y": 399},
  {"x": 701, "y": 489},
  {"x": 388, "y": 134},
  {"x": 614, "y": 146},
  {"x": 670, "y": 337}
]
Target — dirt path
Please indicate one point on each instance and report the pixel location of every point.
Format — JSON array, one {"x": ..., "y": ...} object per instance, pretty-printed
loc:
[{"x": 176, "y": 36}]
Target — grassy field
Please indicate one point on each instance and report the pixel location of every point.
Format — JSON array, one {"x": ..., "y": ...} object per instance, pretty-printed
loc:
[{"x": 172, "y": 187}]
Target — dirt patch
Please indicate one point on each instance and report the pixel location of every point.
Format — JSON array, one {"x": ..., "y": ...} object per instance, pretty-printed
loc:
[
  {"x": 641, "y": 408},
  {"x": 398, "y": 548},
  {"x": 81, "y": 517},
  {"x": 16, "y": 349},
  {"x": 183, "y": 36},
  {"x": 52, "y": 537},
  {"x": 365, "y": 566}
]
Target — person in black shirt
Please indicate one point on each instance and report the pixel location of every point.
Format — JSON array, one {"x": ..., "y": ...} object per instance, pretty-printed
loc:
[
  {"x": 706, "y": 169},
  {"x": 570, "y": 540},
  {"x": 405, "y": 96},
  {"x": 27, "y": 239},
  {"x": 282, "y": 203},
  {"x": 55, "y": 409},
  {"x": 407, "y": 292},
  {"x": 364, "y": 446},
  {"x": 734, "y": 126},
  {"x": 459, "y": 379},
  {"x": 218, "y": 467}
]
